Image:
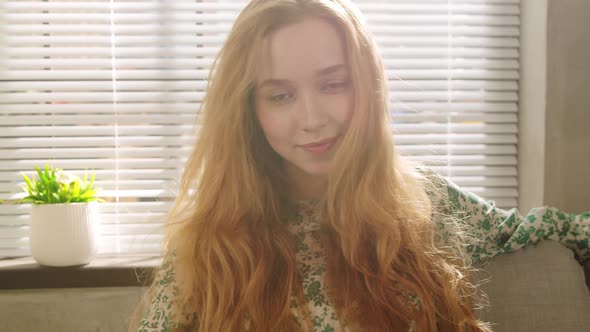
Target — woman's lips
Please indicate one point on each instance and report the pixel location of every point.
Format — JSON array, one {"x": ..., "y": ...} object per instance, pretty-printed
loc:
[{"x": 320, "y": 146}]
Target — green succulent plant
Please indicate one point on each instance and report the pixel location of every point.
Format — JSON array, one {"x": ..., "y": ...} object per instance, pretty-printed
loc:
[{"x": 54, "y": 186}]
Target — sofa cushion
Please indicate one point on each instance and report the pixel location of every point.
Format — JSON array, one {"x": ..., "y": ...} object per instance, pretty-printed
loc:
[{"x": 538, "y": 288}]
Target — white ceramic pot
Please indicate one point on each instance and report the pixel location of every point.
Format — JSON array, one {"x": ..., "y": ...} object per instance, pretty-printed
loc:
[{"x": 64, "y": 234}]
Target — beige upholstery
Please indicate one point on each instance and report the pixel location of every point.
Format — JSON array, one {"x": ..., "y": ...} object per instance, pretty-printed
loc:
[{"x": 539, "y": 288}]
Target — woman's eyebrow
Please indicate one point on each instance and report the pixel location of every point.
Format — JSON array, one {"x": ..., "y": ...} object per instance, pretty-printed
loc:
[
  {"x": 330, "y": 70},
  {"x": 321, "y": 72},
  {"x": 273, "y": 82}
]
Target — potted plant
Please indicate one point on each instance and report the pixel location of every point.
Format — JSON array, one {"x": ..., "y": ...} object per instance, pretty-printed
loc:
[{"x": 64, "y": 228}]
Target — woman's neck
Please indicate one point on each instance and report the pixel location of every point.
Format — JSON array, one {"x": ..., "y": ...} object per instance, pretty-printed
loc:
[{"x": 304, "y": 186}]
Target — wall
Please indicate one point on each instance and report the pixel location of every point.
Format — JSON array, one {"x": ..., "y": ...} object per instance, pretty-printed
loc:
[
  {"x": 567, "y": 152},
  {"x": 531, "y": 148},
  {"x": 67, "y": 310},
  {"x": 554, "y": 144}
]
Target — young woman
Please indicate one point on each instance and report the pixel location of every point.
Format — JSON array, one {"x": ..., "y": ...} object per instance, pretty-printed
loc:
[{"x": 296, "y": 214}]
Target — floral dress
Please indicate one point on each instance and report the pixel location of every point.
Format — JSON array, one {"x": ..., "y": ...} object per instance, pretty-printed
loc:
[{"x": 499, "y": 231}]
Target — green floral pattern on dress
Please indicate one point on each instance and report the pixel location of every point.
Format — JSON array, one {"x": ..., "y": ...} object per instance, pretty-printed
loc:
[
  {"x": 497, "y": 231},
  {"x": 310, "y": 254},
  {"x": 158, "y": 316},
  {"x": 500, "y": 231}
]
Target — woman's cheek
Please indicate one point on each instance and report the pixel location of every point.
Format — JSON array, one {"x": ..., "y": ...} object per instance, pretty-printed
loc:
[
  {"x": 341, "y": 107},
  {"x": 276, "y": 127}
]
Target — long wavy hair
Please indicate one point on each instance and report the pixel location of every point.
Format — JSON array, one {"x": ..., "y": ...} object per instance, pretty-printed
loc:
[{"x": 234, "y": 259}]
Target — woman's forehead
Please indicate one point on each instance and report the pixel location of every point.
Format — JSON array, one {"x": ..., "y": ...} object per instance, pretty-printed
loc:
[{"x": 301, "y": 50}]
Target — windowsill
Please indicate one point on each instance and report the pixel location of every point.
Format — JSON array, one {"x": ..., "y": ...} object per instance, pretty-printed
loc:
[{"x": 103, "y": 271}]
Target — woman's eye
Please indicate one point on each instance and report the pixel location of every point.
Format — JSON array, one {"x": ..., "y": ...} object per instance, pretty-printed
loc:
[
  {"x": 280, "y": 97},
  {"x": 335, "y": 86}
]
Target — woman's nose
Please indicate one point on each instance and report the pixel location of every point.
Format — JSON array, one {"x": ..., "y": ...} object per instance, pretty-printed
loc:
[{"x": 313, "y": 117}]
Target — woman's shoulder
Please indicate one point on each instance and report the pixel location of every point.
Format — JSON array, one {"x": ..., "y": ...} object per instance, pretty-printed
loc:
[
  {"x": 434, "y": 184},
  {"x": 446, "y": 199}
]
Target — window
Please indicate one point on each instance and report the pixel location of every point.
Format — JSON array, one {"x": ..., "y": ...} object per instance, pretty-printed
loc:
[{"x": 115, "y": 86}]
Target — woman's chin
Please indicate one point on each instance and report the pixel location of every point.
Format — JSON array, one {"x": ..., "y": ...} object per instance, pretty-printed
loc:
[
  {"x": 321, "y": 170},
  {"x": 316, "y": 169}
]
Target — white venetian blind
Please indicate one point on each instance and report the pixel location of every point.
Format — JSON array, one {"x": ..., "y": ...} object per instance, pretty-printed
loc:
[{"x": 115, "y": 86}]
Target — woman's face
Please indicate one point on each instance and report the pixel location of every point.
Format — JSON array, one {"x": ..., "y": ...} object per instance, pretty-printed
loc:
[{"x": 304, "y": 99}]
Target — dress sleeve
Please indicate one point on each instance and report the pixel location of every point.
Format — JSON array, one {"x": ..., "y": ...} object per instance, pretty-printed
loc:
[
  {"x": 500, "y": 231},
  {"x": 158, "y": 317}
]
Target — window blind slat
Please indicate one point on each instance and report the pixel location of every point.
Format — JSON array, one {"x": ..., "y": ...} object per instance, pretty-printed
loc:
[
  {"x": 176, "y": 130},
  {"x": 217, "y": 40},
  {"x": 93, "y": 119},
  {"x": 180, "y": 63},
  {"x": 186, "y": 96},
  {"x": 181, "y": 17},
  {"x": 179, "y": 29},
  {"x": 186, "y": 51},
  {"x": 121, "y": 174},
  {"x": 188, "y": 85},
  {"x": 181, "y": 118},
  {"x": 174, "y": 108},
  {"x": 425, "y": 6},
  {"x": 190, "y": 74}
]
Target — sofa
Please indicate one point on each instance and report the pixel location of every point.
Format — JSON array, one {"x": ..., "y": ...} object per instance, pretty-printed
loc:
[
  {"x": 536, "y": 289},
  {"x": 540, "y": 288}
]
